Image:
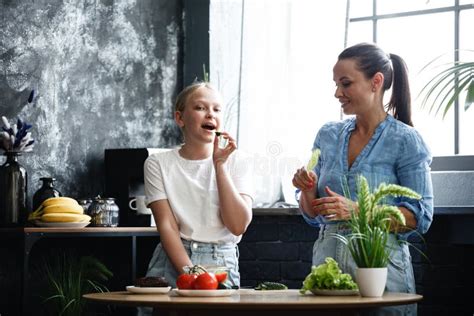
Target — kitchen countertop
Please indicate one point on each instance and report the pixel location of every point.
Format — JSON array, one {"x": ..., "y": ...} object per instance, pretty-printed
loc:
[
  {"x": 438, "y": 210},
  {"x": 454, "y": 210}
]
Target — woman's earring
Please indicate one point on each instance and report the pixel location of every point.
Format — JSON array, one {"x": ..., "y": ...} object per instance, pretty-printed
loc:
[{"x": 373, "y": 89}]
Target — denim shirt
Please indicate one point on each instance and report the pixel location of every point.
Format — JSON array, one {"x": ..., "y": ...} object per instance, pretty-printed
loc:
[{"x": 395, "y": 154}]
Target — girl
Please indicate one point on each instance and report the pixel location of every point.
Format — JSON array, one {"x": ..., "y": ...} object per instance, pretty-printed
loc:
[{"x": 200, "y": 194}]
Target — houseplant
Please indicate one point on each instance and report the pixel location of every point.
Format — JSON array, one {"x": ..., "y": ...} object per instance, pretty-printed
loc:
[
  {"x": 371, "y": 225},
  {"x": 68, "y": 277},
  {"x": 447, "y": 85}
]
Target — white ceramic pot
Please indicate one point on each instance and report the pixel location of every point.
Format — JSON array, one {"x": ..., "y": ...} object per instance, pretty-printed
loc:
[{"x": 371, "y": 281}]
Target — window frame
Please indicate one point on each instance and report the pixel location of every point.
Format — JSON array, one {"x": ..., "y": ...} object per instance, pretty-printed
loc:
[
  {"x": 456, "y": 9},
  {"x": 196, "y": 54}
]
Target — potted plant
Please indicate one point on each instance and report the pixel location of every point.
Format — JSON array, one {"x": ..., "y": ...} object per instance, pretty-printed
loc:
[
  {"x": 371, "y": 226},
  {"x": 447, "y": 85},
  {"x": 68, "y": 277}
]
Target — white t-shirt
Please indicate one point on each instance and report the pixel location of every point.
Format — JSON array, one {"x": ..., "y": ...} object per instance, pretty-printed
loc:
[{"x": 191, "y": 190}]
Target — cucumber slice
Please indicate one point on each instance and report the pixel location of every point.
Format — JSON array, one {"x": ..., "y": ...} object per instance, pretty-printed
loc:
[{"x": 267, "y": 286}]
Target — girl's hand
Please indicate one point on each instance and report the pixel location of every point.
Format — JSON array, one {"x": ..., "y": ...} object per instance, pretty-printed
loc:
[
  {"x": 220, "y": 155},
  {"x": 305, "y": 180},
  {"x": 334, "y": 206}
]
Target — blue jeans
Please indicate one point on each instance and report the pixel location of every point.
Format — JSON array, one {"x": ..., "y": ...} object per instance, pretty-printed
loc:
[
  {"x": 400, "y": 277},
  {"x": 205, "y": 254}
]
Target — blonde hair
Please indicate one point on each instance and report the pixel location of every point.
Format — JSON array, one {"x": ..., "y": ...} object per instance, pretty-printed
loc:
[{"x": 183, "y": 96}]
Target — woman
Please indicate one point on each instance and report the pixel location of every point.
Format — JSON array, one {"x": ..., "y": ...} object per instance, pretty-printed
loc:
[
  {"x": 379, "y": 143},
  {"x": 200, "y": 194}
]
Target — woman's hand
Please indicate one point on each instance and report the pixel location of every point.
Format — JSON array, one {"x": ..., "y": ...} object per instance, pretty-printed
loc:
[
  {"x": 220, "y": 155},
  {"x": 305, "y": 180},
  {"x": 334, "y": 206}
]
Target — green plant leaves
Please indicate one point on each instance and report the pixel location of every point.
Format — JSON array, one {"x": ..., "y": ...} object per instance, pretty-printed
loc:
[
  {"x": 68, "y": 277},
  {"x": 313, "y": 161},
  {"x": 470, "y": 94},
  {"x": 328, "y": 276},
  {"x": 371, "y": 223},
  {"x": 393, "y": 190},
  {"x": 440, "y": 93}
]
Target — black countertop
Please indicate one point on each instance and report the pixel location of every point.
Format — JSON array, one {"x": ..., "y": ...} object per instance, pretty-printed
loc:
[
  {"x": 454, "y": 210},
  {"x": 438, "y": 210}
]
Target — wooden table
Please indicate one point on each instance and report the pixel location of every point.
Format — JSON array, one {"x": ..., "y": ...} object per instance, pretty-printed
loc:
[{"x": 249, "y": 302}]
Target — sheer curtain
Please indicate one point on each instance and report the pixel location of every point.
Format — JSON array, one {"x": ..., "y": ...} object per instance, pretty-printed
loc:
[{"x": 272, "y": 60}]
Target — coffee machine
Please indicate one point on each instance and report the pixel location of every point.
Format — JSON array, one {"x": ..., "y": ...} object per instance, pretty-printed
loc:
[{"x": 124, "y": 181}]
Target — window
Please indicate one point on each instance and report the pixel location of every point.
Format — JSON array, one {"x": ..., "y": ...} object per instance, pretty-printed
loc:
[
  {"x": 466, "y": 120},
  {"x": 420, "y": 31},
  {"x": 284, "y": 56},
  {"x": 273, "y": 60}
]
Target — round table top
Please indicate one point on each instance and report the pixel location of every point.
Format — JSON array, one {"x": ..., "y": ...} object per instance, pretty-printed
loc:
[{"x": 251, "y": 299}]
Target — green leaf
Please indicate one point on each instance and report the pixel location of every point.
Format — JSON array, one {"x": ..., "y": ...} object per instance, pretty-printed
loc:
[
  {"x": 440, "y": 93},
  {"x": 328, "y": 276},
  {"x": 313, "y": 161},
  {"x": 205, "y": 74},
  {"x": 371, "y": 224},
  {"x": 68, "y": 277},
  {"x": 456, "y": 91},
  {"x": 470, "y": 95}
]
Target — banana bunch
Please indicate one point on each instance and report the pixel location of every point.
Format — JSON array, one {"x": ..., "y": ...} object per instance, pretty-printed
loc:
[{"x": 60, "y": 210}]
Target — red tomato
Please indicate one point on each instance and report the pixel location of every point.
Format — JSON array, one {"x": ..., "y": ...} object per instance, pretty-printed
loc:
[
  {"x": 206, "y": 281},
  {"x": 221, "y": 276},
  {"x": 186, "y": 281}
]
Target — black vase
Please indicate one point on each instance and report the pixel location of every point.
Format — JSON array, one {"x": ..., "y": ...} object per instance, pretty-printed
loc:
[
  {"x": 13, "y": 190},
  {"x": 46, "y": 191}
]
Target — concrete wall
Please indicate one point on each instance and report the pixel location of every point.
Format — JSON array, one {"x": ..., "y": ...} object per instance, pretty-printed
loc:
[
  {"x": 453, "y": 188},
  {"x": 104, "y": 75}
]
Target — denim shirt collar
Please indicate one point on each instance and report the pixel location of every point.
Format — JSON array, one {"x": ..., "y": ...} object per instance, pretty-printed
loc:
[{"x": 347, "y": 134}]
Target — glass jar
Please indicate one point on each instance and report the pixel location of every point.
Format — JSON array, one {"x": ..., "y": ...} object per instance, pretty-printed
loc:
[
  {"x": 13, "y": 190},
  {"x": 104, "y": 212},
  {"x": 85, "y": 203},
  {"x": 46, "y": 191}
]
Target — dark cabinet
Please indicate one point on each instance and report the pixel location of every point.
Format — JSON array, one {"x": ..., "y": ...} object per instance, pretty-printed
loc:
[{"x": 126, "y": 249}]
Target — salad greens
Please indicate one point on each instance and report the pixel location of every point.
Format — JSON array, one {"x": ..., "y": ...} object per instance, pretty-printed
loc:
[{"x": 328, "y": 276}]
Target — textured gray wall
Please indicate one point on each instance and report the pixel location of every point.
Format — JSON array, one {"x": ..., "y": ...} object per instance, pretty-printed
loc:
[
  {"x": 453, "y": 188},
  {"x": 105, "y": 74}
]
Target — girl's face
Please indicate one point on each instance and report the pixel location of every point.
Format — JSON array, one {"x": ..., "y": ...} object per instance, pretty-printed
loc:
[
  {"x": 355, "y": 93},
  {"x": 201, "y": 116}
]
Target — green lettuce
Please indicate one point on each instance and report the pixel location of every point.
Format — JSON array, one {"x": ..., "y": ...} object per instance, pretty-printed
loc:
[{"x": 328, "y": 276}]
